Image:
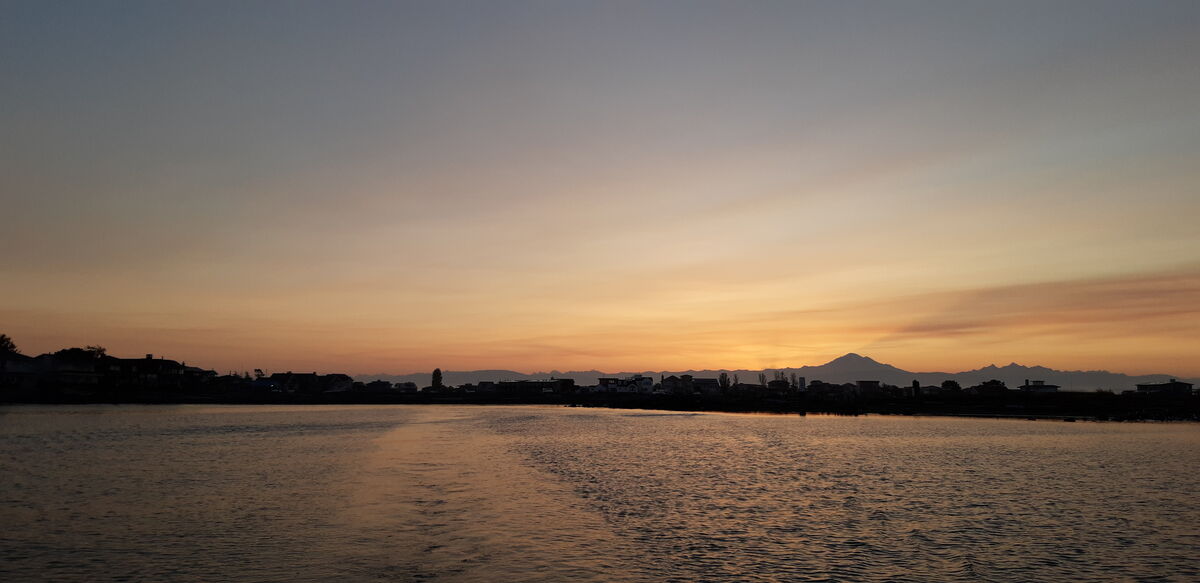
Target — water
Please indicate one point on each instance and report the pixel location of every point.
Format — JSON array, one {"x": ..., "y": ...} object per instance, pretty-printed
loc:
[{"x": 416, "y": 493}]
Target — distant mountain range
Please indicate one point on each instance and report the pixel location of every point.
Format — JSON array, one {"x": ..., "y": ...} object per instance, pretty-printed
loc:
[{"x": 844, "y": 369}]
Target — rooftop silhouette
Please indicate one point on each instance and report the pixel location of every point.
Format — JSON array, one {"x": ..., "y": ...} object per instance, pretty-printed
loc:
[{"x": 848, "y": 384}]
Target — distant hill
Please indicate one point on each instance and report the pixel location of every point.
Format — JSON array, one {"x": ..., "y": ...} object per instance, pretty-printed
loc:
[{"x": 848, "y": 368}]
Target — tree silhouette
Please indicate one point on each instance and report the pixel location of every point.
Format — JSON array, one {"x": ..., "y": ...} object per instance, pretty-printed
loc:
[
  {"x": 723, "y": 381},
  {"x": 79, "y": 354},
  {"x": 951, "y": 385},
  {"x": 97, "y": 351},
  {"x": 437, "y": 378},
  {"x": 7, "y": 344}
]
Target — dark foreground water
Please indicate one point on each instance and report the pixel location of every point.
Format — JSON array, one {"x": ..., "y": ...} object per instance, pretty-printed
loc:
[{"x": 415, "y": 493}]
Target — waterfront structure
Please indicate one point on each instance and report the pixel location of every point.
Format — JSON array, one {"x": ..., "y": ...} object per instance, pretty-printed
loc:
[
  {"x": 634, "y": 384},
  {"x": 1038, "y": 387},
  {"x": 538, "y": 387},
  {"x": 868, "y": 388},
  {"x": 1173, "y": 387},
  {"x": 311, "y": 382}
]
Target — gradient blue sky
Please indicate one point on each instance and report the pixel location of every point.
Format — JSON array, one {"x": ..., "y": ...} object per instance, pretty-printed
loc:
[{"x": 394, "y": 186}]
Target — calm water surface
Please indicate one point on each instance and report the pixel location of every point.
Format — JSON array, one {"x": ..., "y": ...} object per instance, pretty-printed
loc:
[{"x": 396, "y": 493}]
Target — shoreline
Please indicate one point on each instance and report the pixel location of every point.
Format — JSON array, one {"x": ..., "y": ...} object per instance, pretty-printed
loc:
[{"x": 1151, "y": 410}]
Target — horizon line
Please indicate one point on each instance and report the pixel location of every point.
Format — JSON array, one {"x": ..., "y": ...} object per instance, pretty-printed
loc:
[{"x": 857, "y": 355}]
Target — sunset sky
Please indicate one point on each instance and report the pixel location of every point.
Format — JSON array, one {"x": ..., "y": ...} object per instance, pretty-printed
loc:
[{"x": 393, "y": 186}]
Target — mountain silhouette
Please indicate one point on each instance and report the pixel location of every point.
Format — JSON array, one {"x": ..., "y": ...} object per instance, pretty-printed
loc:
[
  {"x": 847, "y": 368},
  {"x": 853, "y": 364}
]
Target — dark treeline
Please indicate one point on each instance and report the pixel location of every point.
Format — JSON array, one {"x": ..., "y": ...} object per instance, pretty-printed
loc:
[{"x": 90, "y": 375}]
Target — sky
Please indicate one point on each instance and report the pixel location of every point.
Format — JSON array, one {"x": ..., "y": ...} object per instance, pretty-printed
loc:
[{"x": 371, "y": 187}]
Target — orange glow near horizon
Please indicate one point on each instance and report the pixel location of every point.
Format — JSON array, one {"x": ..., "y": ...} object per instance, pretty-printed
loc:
[{"x": 1138, "y": 325}]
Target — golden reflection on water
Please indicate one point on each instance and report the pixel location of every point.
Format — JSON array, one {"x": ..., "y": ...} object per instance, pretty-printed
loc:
[
  {"x": 553, "y": 494},
  {"x": 447, "y": 497}
]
